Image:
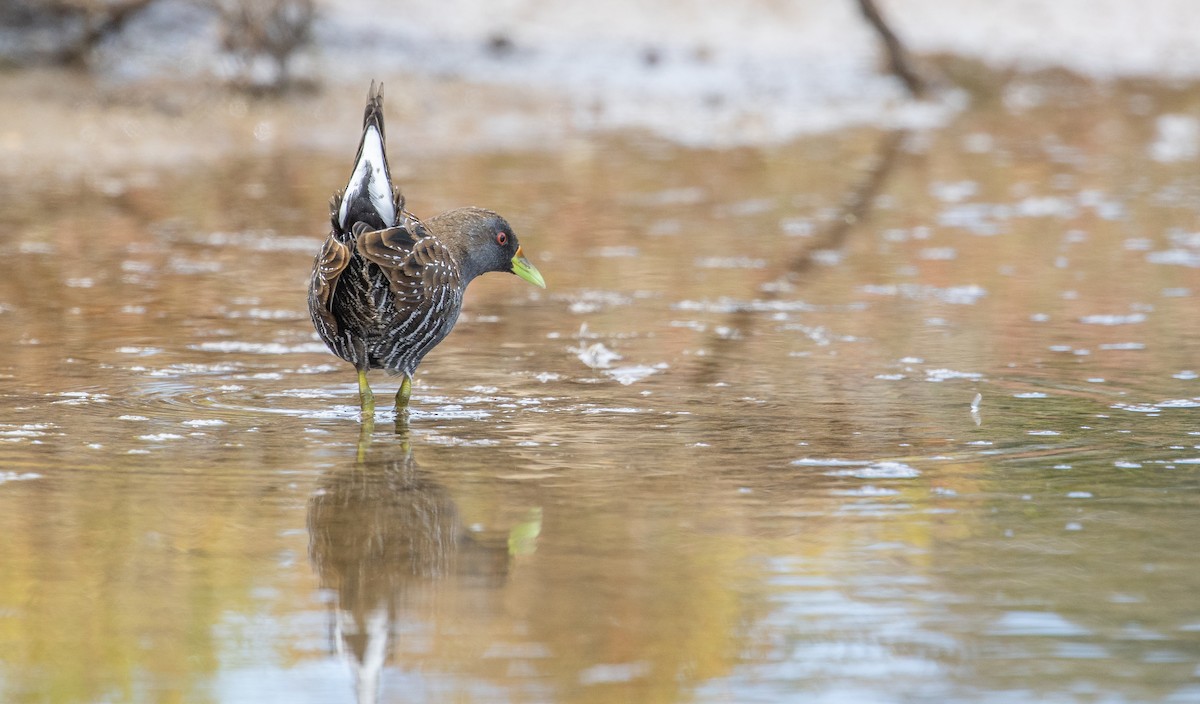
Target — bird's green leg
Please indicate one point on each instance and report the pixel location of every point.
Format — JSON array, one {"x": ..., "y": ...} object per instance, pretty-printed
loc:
[
  {"x": 366, "y": 399},
  {"x": 403, "y": 394}
]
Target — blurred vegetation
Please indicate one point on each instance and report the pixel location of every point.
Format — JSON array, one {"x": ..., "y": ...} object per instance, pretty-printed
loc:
[
  {"x": 62, "y": 31},
  {"x": 260, "y": 39},
  {"x": 263, "y": 37}
]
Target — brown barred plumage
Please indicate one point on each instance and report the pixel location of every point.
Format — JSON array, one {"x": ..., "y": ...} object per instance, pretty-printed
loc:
[{"x": 386, "y": 288}]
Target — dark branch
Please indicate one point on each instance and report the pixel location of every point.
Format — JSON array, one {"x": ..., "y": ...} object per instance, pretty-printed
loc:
[{"x": 898, "y": 62}]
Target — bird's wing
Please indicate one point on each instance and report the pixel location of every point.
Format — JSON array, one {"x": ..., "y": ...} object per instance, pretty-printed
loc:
[
  {"x": 369, "y": 195},
  {"x": 327, "y": 267},
  {"x": 419, "y": 269}
]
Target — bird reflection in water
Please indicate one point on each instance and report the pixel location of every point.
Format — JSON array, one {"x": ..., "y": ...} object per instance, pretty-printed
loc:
[{"x": 384, "y": 537}]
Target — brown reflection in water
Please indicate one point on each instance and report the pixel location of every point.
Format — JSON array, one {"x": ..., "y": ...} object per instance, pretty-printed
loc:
[
  {"x": 649, "y": 578},
  {"x": 389, "y": 542}
]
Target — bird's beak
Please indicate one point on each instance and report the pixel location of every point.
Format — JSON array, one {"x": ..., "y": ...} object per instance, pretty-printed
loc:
[{"x": 526, "y": 270}]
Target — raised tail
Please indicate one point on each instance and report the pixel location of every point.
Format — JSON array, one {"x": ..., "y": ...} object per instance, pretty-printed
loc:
[{"x": 368, "y": 196}]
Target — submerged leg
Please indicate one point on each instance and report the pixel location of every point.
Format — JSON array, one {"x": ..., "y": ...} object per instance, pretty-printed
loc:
[
  {"x": 403, "y": 394},
  {"x": 401, "y": 431},
  {"x": 366, "y": 399},
  {"x": 365, "y": 430}
]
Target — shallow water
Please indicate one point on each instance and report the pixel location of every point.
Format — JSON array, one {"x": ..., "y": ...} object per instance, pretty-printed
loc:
[{"x": 865, "y": 417}]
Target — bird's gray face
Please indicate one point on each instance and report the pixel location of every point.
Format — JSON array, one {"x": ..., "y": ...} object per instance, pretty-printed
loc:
[{"x": 493, "y": 246}]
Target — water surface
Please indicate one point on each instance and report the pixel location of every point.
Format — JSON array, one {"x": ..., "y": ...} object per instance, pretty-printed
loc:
[{"x": 870, "y": 416}]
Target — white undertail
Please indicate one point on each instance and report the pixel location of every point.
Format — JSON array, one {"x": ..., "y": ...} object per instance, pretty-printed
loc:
[{"x": 370, "y": 173}]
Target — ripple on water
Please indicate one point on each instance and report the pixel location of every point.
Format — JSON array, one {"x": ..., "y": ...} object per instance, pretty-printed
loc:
[
  {"x": 157, "y": 438},
  {"x": 23, "y": 432},
  {"x": 1136, "y": 407},
  {"x": 455, "y": 441},
  {"x": 965, "y": 295},
  {"x": 1179, "y": 403},
  {"x": 940, "y": 375},
  {"x": 615, "y": 252},
  {"x": 879, "y": 470},
  {"x": 866, "y": 491},
  {"x": 447, "y": 412},
  {"x": 139, "y": 351},
  {"x": 1105, "y": 319},
  {"x": 81, "y": 398},
  {"x": 172, "y": 396},
  {"x": 204, "y": 422},
  {"x": 733, "y": 305},
  {"x": 595, "y": 355},
  {"x": 592, "y": 301},
  {"x": 191, "y": 369},
  {"x": 1177, "y": 257},
  {"x": 729, "y": 263},
  {"x": 861, "y": 469},
  {"x": 272, "y": 348},
  {"x": 267, "y": 314},
  {"x": 629, "y": 375},
  {"x": 261, "y": 241},
  {"x": 318, "y": 393},
  {"x": 1035, "y": 623}
]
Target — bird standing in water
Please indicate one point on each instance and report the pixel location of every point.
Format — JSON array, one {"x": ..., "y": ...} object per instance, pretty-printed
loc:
[{"x": 386, "y": 287}]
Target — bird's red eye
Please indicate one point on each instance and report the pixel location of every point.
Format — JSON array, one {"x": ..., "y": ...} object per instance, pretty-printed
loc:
[{"x": 501, "y": 238}]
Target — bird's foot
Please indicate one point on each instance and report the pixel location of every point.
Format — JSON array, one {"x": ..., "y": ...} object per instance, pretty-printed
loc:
[
  {"x": 403, "y": 394},
  {"x": 366, "y": 399}
]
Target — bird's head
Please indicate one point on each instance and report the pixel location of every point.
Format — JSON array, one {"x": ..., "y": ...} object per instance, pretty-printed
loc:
[{"x": 483, "y": 241}]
